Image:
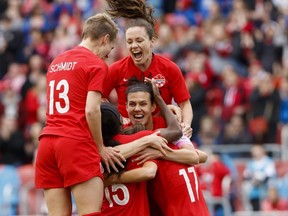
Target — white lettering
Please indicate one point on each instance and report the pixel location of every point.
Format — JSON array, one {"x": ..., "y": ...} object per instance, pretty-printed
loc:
[{"x": 62, "y": 66}]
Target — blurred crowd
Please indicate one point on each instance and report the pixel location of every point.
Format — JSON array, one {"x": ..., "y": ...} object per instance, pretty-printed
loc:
[{"x": 232, "y": 53}]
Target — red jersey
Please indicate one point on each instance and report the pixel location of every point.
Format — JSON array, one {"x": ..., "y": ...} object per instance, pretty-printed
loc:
[
  {"x": 127, "y": 199},
  {"x": 69, "y": 78},
  {"x": 158, "y": 122},
  {"x": 167, "y": 74},
  {"x": 176, "y": 190}
]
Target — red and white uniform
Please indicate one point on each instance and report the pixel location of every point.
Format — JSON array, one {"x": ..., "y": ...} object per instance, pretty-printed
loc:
[
  {"x": 127, "y": 199},
  {"x": 66, "y": 146},
  {"x": 167, "y": 74},
  {"x": 176, "y": 188},
  {"x": 70, "y": 76}
]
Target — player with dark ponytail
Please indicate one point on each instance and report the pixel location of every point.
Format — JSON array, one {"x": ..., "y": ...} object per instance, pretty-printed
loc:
[{"x": 142, "y": 62}]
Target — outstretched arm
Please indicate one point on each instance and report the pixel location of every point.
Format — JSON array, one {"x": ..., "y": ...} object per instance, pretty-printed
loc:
[
  {"x": 186, "y": 154},
  {"x": 154, "y": 141},
  {"x": 144, "y": 173}
]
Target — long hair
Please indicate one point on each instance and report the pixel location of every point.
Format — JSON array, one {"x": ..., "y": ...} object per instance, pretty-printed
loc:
[
  {"x": 111, "y": 126},
  {"x": 137, "y": 12},
  {"x": 110, "y": 123}
]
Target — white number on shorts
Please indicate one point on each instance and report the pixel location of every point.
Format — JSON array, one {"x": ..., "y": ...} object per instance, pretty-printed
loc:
[
  {"x": 115, "y": 198},
  {"x": 62, "y": 95},
  {"x": 187, "y": 181}
]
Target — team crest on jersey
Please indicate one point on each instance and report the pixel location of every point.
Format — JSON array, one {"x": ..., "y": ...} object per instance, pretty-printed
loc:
[{"x": 159, "y": 80}]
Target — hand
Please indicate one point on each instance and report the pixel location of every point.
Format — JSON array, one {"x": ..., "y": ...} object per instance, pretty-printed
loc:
[
  {"x": 159, "y": 143},
  {"x": 154, "y": 86},
  {"x": 147, "y": 154},
  {"x": 110, "y": 156},
  {"x": 186, "y": 130}
]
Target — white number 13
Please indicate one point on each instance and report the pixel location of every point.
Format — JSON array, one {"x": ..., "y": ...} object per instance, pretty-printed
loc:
[{"x": 62, "y": 95}]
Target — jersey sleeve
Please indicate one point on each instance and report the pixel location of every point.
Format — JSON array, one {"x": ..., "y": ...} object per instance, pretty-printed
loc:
[
  {"x": 111, "y": 80},
  {"x": 178, "y": 86},
  {"x": 96, "y": 76}
]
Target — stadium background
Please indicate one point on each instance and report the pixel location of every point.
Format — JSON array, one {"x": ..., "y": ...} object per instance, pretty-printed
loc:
[{"x": 233, "y": 55}]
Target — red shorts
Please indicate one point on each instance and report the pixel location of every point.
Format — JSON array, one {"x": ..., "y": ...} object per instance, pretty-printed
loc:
[{"x": 62, "y": 162}]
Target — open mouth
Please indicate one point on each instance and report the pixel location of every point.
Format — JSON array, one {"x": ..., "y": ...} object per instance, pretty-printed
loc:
[
  {"x": 137, "y": 55},
  {"x": 138, "y": 117}
]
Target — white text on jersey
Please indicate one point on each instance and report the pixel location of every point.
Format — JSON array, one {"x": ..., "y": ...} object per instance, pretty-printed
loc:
[{"x": 63, "y": 66}]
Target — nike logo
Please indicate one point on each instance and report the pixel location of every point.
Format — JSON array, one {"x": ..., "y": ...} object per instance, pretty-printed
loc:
[{"x": 125, "y": 80}]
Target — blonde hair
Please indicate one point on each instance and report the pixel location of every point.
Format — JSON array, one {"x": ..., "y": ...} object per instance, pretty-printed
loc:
[{"x": 99, "y": 25}]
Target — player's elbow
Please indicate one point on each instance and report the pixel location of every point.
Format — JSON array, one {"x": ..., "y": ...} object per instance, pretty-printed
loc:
[
  {"x": 92, "y": 113},
  {"x": 175, "y": 135},
  {"x": 203, "y": 157},
  {"x": 150, "y": 173},
  {"x": 194, "y": 159}
]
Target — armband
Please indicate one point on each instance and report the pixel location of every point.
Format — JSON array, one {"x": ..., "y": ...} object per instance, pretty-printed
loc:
[{"x": 184, "y": 140}]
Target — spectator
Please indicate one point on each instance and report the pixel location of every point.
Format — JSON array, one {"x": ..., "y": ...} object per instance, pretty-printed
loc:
[
  {"x": 12, "y": 44},
  {"x": 235, "y": 131},
  {"x": 259, "y": 170},
  {"x": 273, "y": 202},
  {"x": 209, "y": 133},
  {"x": 281, "y": 182},
  {"x": 211, "y": 175},
  {"x": 36, "y": 67},
  {"x": 165, "y": 45},
  {"x": 219, "y": 46},
  {"x": 233, "y": 97},
  {"x": 10, "y": 101},
  {"x": 198, "y": 102},
  {"x": 12, "y": 142},
  {"x": 283, "y": 116},
  {"x": 34, "y": 100},
  {"x": 264, "y": 101}
]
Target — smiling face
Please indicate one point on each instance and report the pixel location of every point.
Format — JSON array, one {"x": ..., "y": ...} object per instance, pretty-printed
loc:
[
  {"x": 140, "y": 108},
  {"x": 139, "y": 46}
]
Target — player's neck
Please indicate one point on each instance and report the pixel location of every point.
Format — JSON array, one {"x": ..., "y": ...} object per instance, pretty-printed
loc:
[
  {"x": 144, "y": 66},
  {"x": 149, "y": 125},
  {"x": 90, "y": 45}
]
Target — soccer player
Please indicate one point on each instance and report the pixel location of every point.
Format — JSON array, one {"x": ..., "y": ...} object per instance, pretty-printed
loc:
[
  {"x": 175, "y": 190},
  {"x": 126, "y": 193},
  {"x": 142, "y": 62},
  {"x": 71, "y": 146}
]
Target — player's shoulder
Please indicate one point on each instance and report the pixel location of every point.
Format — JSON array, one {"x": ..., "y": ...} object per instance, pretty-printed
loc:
[
  {"x": 119, "y": 63},
  {"x": 162, "y": 60}
]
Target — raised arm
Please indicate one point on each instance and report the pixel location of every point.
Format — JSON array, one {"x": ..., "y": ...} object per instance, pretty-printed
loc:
[
  {"x": 173, "y": 130},
  {"x": 187, "y": 117}
]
